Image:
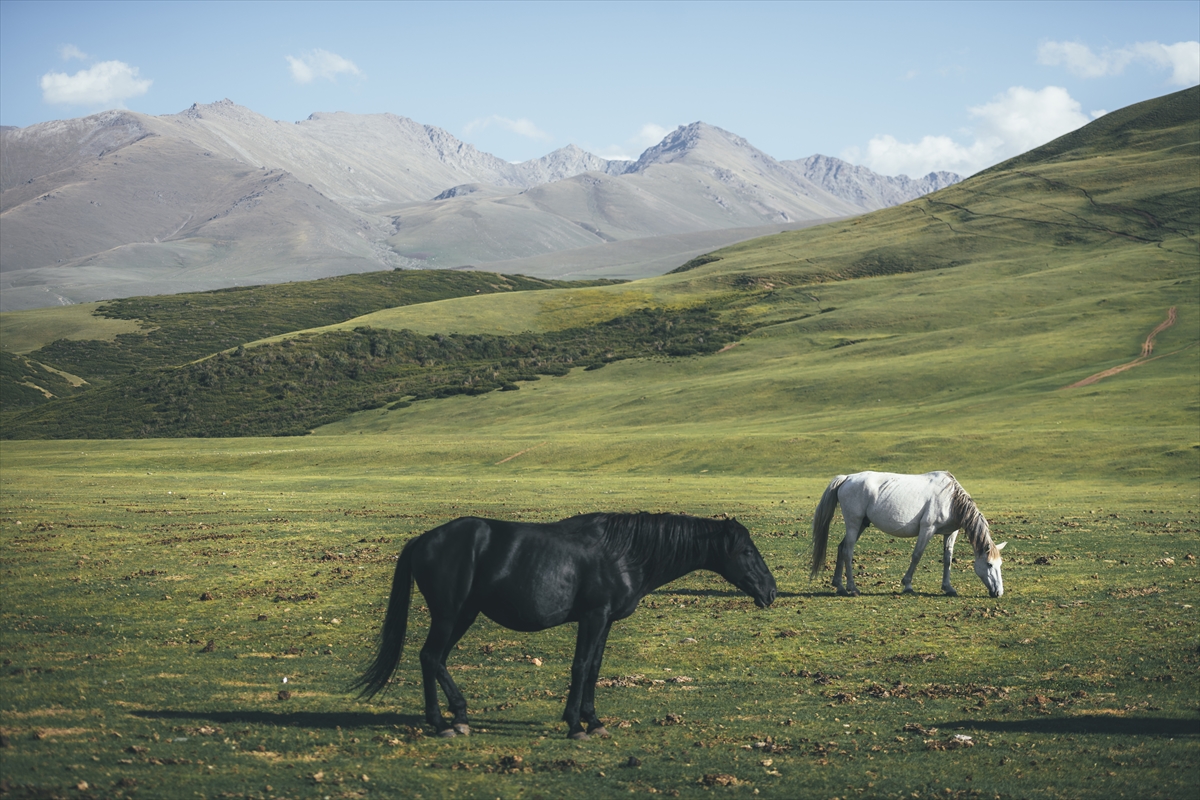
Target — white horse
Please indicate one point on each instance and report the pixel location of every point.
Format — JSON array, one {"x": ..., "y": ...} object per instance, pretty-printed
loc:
[{"x": 905, "y": 505}]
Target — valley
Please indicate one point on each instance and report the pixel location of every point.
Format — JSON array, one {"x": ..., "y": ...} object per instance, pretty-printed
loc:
[{"x": 173, "y": 576}]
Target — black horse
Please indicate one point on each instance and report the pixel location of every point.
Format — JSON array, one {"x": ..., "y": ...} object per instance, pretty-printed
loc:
[{"x": 593, "y": 569}]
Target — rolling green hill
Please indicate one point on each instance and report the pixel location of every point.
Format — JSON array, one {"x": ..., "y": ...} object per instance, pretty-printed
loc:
[
  {"x": 940, "y": 332},
  {"x": 105, "y": 343},
  {"x": 962, "y": 314}
]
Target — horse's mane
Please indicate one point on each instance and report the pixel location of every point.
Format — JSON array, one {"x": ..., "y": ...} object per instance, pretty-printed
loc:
[
  {"x": 972, "y": 522},
  {"x": 644, "y": 539}
]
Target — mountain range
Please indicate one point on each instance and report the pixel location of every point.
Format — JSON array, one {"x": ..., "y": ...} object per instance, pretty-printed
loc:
[{"x": 121, "y": 203}]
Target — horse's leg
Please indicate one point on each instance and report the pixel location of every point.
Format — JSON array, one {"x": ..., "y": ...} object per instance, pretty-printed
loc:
[
  {"x": 444, "y": 631},
  {"x": 440, "y": 630},
  {"x": 589, "y": 644},
  {"x": 454, "y": 698},
  {"x": 587, "y": 709},
  {"x": 845, "y": 558},
  {"x": 922, "y": 540},
  {"x": 837, "y": 569},
  {"x": 947, "y": 558}
]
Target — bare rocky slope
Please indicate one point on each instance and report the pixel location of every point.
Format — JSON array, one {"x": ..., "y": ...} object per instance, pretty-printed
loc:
[
  {"x": 862, "y": 187},
  {"x": 121, "y": 203}
]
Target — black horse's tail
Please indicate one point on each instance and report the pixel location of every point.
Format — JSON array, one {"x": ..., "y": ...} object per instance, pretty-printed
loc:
[
  {"x": 822, "y": 516},
  {"x": 395, "y": 627}
]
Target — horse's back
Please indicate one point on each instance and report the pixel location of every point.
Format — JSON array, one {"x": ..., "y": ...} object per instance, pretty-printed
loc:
[
  {"x": 884, "y": 483},
  {"x": 524, "y": 575},
  {"x": 468, "y": 539},
  {"x": 897, "y": 503}
]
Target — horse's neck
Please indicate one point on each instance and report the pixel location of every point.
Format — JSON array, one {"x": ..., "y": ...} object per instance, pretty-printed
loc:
[
  {"x": 972, "y": 522},
  {"x": 657, "y": 574}
]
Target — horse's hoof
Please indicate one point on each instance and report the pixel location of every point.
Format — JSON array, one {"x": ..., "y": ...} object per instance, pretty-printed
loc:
[
  {"x": 579, "y": 736},
  {"x": 950, "y": 593},
  {"x": 842, "y": 592},
  {"x": 909, "y": 590},
  {"x": 600, "y": 731},
  {"x": 462, "y": 728},
  {"x": 447, "y": 733}
]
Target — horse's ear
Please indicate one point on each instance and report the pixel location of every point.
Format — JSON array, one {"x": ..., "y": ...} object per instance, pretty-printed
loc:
[{"x": 1001, "y": 545}]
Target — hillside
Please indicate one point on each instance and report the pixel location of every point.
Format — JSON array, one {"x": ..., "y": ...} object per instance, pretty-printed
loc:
[
  {"x": 121, "y": 204},
  {"x": 111, "y": 342},
  {"x": 961, "y": 314},
  {"x": 942, "y": 332}
]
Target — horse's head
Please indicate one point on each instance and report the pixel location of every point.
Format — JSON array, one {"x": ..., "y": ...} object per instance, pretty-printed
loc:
[
  {"x": 987, "y": 567},
  {"x": 742, "y": 565}
]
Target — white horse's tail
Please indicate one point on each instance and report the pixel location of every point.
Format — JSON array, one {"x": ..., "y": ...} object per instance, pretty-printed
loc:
[{"x": 822, "y": 516}]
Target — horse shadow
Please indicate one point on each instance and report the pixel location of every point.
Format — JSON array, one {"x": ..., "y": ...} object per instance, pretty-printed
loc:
[
  {"x": 811, "y": 593},
  {"x": 1163, "y": 727},
  {"x": 333, "y": 720},
  {"x": 288, "y": 719},
  {"x": 700, "y": 592}
]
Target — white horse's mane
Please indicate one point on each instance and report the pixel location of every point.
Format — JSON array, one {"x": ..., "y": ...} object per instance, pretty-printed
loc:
[{"x": 972, "y": 522}]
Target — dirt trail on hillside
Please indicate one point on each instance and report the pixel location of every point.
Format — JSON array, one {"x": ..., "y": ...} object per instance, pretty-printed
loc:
[{"x": 1147, "y": 350}]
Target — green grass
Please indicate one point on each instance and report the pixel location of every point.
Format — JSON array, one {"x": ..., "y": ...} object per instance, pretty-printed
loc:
[
  {"x": 291, "y": 386},
  {"x": 25, "y": 331},
  {"x": 168, "y": 330},
  {"x": 144, "y": 347},
  {"x": 1080, "y": 682},
  {"x": 29, "y": 384}
]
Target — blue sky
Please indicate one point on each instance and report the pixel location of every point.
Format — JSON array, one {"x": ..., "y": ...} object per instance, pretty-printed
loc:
[{"x": 899, "y": 87}]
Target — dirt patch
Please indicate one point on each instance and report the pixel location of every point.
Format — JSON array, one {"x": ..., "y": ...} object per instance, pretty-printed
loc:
[
  {"x": 521, "y": 453},
  {"x": 1145, "y": 357}
]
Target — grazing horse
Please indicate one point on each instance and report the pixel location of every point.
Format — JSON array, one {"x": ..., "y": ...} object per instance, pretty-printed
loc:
[
  {"x": 592, "y": 569},
  {"x": 905, "y": 505}
]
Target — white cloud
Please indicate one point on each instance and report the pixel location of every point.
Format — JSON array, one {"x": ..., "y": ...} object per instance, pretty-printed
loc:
[
  {"x": 103, "y": 84},
  {"x": 320, "y": 64},
  {"x": 70, "y": 51},
  {"x": 650, "y": 135},
  {"x": 647, "y": 136},
  {"x": 613, "y": 152},
  {"x": 1013, "y": 122},
  {"x": 1080, "y": 60},
  {"x": 1181, "y": 58},
  {"x": 1021, "y": 119},
  {"x": 521, "y": 127}
]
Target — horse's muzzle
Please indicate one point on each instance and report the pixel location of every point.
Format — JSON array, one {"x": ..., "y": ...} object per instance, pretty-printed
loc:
[{"x": 767, "y": 599}]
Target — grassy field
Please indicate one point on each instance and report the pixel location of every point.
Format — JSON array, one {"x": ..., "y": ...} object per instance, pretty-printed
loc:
[
  {"x": 28, "y": 330},
  {"x": 158, "y": 591},
  {"x": 168, "y": 587}
]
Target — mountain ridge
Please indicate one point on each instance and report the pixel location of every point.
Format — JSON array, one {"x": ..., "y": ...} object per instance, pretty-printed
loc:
[{"x": 122, "y": 203}]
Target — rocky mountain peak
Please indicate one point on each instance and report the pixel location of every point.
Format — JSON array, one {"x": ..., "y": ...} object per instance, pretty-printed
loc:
[
  {"x": 566, "y": 162},
  {"x": 60, "y": 144},
  {"x": 697, "y": 141},
  {"x": 864, "y": 187}
]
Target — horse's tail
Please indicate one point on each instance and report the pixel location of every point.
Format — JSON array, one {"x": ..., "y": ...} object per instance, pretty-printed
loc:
[
  {"x": 822, "y": 516},
  {"x": 395, "y": 627}
]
